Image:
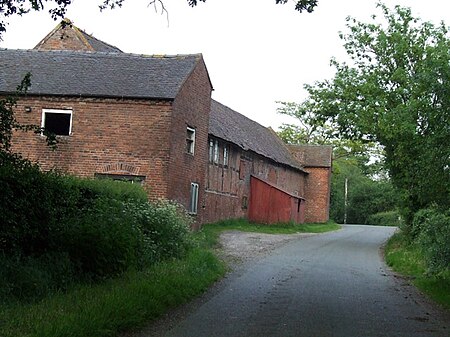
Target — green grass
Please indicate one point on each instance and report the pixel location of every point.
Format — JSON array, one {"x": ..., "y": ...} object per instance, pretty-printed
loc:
[
  {"x": 213, "y": 230},
  {"x": 116, "y": 305},
  {"x": 134, "y": 299},
  {"x": 407, "y": 259}
]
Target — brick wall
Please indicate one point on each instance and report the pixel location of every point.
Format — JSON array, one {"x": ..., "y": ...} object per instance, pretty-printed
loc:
[
  {"x": 108, "y": 136},
  {"x": 67, "y": 38},
  {"x": 317, "y": 194},
  {"x": 228, "y": 187},
  {"x": 191, "y": 109}
]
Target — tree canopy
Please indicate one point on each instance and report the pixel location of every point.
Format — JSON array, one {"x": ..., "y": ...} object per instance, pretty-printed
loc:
[
  {"x": 395, "y": 91},
  {"x": 58, "y": 8}
]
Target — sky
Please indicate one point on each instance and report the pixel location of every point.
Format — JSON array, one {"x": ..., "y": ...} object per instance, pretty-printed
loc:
[{"x": 257, "y": 53}]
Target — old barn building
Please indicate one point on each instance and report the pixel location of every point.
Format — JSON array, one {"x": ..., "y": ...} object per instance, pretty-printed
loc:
[{"x": 151, "y": 119}]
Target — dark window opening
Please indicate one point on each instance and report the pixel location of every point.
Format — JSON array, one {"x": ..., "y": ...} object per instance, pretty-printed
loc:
[
  {"x": 133, "y": 179},
  {"x": 58, "y": 123}
]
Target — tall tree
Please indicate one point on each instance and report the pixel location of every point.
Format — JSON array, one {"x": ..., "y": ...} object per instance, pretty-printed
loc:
[
  {"x": 395, "y": 91},
  {"x": 58, "y": 8}
]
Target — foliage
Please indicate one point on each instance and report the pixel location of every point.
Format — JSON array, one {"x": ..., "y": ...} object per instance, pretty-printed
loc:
[
  {"x": 388, "y": 218},
  {"x": 431, "y": 228},
  {"x": 395, "y": 93},
  {"x": 365, "y": 196},
  {"x": 407, "y": 258},
  {"x": 58, "y": 8},
  {"x": 119, "y": 304},
  {"x": 80, "y": 230}
]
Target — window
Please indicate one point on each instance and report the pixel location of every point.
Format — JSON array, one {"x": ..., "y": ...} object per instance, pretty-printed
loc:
[
  {"x": 133, "y": 179},
  {"x": 190, "y": 140},
  {"x": 194, "y": 199},
  {"x": 216, "y": 152},
  {"x": 211, "y": 150},
  {"x": 226, "y": 152},
  {"x": 58, "y": 122}
]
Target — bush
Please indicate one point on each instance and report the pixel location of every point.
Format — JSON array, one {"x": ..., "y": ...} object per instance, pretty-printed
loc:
[
  {"x": 431, "y": 229},
  {"x": 57, "y": 230},
  {"x": 390, "y": 218}
]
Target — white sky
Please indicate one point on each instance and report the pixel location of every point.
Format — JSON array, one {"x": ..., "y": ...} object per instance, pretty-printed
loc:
[{"x": 256, "y": 52}]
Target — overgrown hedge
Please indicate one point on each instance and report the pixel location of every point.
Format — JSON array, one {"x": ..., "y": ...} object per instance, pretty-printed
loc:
[
  {"x": 58, "y": 230},
  {"x": 431, "y": 231}
]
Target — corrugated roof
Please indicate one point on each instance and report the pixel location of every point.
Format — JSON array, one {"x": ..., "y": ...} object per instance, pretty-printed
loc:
[
  {"x": 96, "y": 74},
  {"x": 235, "y": 128}
]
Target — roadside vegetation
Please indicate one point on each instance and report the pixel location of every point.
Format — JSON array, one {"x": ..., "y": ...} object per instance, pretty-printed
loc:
[{"x": 423, "y": 254}]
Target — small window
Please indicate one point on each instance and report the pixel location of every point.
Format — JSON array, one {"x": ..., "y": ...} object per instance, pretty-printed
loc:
[
  {"x": 190, "y": 140},
  {"x": 58, "y": 122},
  {"x": 216, "y": 152},
  {"x": 211, "y": 151},
  {"x": 133, "y": 179},
  {"x": 194, "y": 199},
  {"x": 226, "y": 152}
]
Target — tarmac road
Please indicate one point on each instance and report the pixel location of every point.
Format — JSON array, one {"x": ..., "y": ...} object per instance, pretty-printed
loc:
[{"x": 332, "y": 284}]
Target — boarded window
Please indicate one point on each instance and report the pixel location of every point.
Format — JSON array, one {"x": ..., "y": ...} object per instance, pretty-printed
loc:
[
  {"x": 190, "y": 140},
  {"x": 193, "y": 205},
  {"x": 58, "y": 122}
]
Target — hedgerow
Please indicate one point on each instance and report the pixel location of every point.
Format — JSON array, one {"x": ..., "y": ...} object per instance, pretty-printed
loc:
[{"x": 58, "y": 230}]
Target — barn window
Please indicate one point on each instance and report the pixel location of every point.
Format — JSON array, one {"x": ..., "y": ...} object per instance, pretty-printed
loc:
[
  {"x": 193, "y": 205},
  {"x": 211, "y": 151},
  {"x": 226, "y": 152},
  {"x": 216, "y": 152},
  {"x": 58, "y": 122},
  {"x": 133, "y": 179},
  {"x": 190, "y": 140}
]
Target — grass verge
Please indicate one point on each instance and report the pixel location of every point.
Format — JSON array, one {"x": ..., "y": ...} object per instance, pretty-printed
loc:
[
  {"x": 135, "y": 298},
  {"x": 211, "y": 232},
  {"x": 116, "y": 305},
  {"x": 407, "y": 259}
]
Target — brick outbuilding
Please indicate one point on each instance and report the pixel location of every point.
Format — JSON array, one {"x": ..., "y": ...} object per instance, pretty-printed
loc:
[{"x": 151, "y": 120}]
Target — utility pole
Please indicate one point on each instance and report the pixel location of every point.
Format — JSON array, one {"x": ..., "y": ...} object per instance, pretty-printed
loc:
[{"x": 345, "y": 200}]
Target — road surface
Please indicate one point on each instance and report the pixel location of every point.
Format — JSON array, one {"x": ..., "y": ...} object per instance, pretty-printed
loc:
[{"x": 333, "y": 284}]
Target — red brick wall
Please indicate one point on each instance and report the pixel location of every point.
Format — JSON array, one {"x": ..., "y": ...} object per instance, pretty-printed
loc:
[
  {"x": 108, "y": 136},
  {"x": 228, "y": 187},
  {"x": 67, "y": 38},
  {"x": 191, "y": 108},
  {"x": 317, "y": 194}
]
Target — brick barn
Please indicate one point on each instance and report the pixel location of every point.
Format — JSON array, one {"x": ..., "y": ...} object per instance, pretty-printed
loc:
[{"x": 151, "y": 120}]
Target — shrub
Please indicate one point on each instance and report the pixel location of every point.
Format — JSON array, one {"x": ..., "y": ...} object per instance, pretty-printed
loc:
[
  {"x": 166, "y": 229},
  {"x": 431, "y": 228},
  {"x": 390, "y": 218}
]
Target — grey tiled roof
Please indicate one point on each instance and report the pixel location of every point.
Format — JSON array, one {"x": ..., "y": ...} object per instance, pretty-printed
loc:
[
  {"x": 99, "y": 45},
  {"x": 313, "y": 155},
  {"x": 233, "y": 127},
  {"x": 96, "y": 74}
]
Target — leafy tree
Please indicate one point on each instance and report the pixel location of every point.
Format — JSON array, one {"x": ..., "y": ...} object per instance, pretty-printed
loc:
[
  {"x": 58, "y": 8},
  {"x": 395, "y": 92}
]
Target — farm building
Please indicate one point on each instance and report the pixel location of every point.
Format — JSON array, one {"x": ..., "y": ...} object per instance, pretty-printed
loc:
[{"x": 151, "y": 120}]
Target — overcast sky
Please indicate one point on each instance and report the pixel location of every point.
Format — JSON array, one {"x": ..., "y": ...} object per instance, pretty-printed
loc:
[{"x": 256, "y": 52}]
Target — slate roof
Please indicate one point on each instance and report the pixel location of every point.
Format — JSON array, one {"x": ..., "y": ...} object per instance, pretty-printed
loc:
[
  {"x": 96, "y": 74},
  {"x": 99, "y": 45},
  {"x": 313, "y": 155},
  {"x": 235, "y": 128}
]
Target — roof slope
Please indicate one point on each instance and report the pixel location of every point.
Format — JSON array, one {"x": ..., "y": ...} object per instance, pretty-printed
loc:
[
  {"x": 66, "y": 36},
  {"x": 95, "y": 74},
  {"x": 313, "y": 155},
  {"x": 233, "y": 127}
]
